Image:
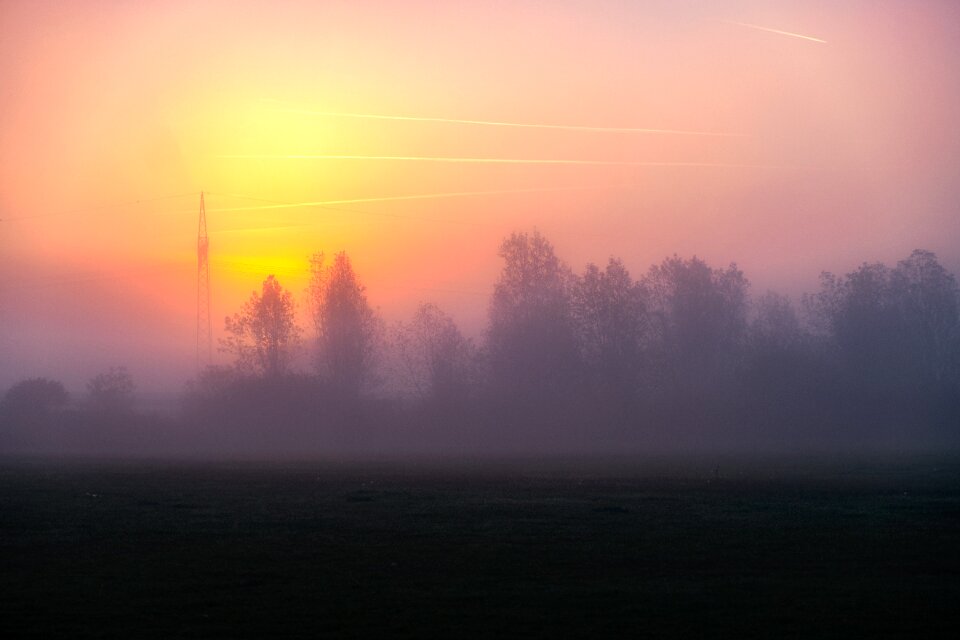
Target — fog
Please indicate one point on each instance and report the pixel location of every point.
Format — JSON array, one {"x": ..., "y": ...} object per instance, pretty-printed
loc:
[
  {"x": 438, "y": 151},
  {"x": 683, "y": 357}
]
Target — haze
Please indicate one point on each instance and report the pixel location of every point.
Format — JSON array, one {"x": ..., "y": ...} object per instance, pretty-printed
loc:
[{"x": 789, "y": 138}]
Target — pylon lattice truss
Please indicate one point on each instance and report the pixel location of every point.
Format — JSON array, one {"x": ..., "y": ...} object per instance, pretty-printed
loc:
[{"x": 204, "y": 328}]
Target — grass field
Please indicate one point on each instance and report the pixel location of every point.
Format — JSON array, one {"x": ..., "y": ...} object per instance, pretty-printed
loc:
[{"x": 715, "y": 547}]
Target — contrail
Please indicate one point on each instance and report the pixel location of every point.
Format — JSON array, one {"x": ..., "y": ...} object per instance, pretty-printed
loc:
[
  {"x": 425, "y": 196},
  {"x": 495, "y": 123},
  {"x": 778, "y": 31},
  {"x": 625, "y": 163}
]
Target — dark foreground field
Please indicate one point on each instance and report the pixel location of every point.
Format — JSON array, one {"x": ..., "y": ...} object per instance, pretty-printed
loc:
[{"x": 694, "y": 547}]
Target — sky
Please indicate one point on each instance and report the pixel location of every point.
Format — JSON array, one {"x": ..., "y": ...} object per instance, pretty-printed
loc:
[{"x": 789, "y": 137}]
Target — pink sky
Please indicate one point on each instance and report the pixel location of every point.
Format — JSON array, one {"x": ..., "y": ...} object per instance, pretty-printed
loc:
[{"x": 113, "y": 117}]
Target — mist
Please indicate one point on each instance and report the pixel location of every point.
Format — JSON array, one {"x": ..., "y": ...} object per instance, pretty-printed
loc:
[
  {"x": 683, "y": 357},
  {"x": 501, "y": 319},
  {"x": 674, "y": 139}
]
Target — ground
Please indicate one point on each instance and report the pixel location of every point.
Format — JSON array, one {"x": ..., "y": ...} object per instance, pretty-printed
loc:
[{"x": 690, "y": 546}]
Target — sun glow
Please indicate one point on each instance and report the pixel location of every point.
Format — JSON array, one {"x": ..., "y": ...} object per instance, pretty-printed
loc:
[{"x": 415, "y": 136}]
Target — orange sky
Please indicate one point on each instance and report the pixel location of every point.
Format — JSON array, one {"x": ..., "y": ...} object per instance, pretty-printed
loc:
[{"x": 113, "y": 117}]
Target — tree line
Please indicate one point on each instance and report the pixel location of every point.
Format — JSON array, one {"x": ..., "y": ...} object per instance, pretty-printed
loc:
[{"x": 681, "y": 356}]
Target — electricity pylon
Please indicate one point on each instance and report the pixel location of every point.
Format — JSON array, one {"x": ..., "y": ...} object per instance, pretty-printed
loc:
[{"x": 204, "y": 330}]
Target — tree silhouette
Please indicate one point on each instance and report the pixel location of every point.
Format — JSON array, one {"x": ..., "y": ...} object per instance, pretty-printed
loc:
[
  {"x": 437, "y": 361},
  {"x": 698, "y": 317},
  {"x": 783, "y": 386},
  {"x": 346, "y": 328},
  {"x": 775, "y": 325},
  {"x": 612, "y": 323},
  {"x": 531, "y": 338},
  {"x": 892, "y": 338},
  {"x": 111, "y": 391},
  {"x": 927, "y": 302},
  {"x": 33, "y": 401},
  {"x": 264, "y": 337},
  {"x": 856, "y": 313}
]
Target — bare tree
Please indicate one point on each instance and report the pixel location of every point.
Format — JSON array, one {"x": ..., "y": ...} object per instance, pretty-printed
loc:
[
  {"x": 264, "y": 337},
  {"x": 437, "y": 360}
]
